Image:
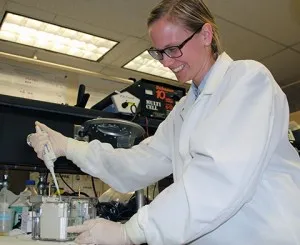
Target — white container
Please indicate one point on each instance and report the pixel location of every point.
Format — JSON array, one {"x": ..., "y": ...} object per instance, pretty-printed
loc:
[{"x": 54, "y": 221}]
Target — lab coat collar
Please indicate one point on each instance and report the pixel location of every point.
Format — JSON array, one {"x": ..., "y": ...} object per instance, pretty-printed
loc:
[
  {"x": 215, "y": 77},
  {"x": 217, "y": 72}
]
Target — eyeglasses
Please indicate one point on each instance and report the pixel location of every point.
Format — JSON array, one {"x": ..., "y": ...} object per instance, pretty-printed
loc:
[{"x": 172, "y": 51}]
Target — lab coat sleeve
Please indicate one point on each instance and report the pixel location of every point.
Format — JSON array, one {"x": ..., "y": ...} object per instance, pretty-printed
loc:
[
  {"x": 125, "y": 169},
  {"x": 230, "y": 151}
]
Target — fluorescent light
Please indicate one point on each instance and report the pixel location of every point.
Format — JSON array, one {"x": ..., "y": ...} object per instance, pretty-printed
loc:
[
  {"x": 146, "y": 64},
  {"x": 39, "y": 34}
]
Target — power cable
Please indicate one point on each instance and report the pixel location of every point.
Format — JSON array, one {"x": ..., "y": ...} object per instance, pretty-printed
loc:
[
  {"x": 133, "y": 112},
  {"x": 66, "y": 183},
  {"x": 94, "y": 188}
]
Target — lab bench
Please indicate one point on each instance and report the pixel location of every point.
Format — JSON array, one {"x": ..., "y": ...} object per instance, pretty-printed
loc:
[{"x": 26, "y": 240}]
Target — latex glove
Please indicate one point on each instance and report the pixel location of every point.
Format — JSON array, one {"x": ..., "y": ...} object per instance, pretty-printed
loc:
[
  {"x": 39, "y": 139},
  {"x": 100, "y": 231}
]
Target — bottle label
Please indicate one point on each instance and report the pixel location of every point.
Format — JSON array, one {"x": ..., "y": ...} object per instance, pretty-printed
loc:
[
  {"x": 5, "y": 216},
  {"x": 18, "y": 216}
]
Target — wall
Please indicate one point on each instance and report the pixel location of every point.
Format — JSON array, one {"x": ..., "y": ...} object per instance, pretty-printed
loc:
[
  {"x": 295, "y": 117},
  {"x": 39, "y": 82}
]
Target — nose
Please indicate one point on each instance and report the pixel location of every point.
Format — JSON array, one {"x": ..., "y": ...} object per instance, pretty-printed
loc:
[{"x": 166, "y": 61}]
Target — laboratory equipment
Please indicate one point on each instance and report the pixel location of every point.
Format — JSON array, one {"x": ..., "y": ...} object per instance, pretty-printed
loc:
[
  {"x": 5, "y": 182},
  {"x": 22, "y": 205},
  {"x": 49, "y": 159},
  {"x": 120, "y": 133},
  {"x": 82, "y": 209},
  {"x": 52, "y": 215},
  {"x": 152, "y": 99},
  {"x": 41, "y": 186},
  {"x": 36, "y": 202},
  {"x": 125, "y": 102},
  {"x": 61, "y": 118},
  {"x": 6, "y": 214},
  {"x": 6, "y": 219},
  {"x": 54, "y": 221}
]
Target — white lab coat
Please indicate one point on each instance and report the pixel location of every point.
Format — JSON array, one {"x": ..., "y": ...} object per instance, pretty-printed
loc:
[{"x": 236, "y": 176}]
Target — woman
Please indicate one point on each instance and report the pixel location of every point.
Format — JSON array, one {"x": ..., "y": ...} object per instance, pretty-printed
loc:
[{"x": 236, "y": 176}]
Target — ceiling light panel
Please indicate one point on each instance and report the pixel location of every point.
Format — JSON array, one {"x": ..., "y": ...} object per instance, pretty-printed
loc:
[
  {"x": 145, "y": 63},
  {"x": 39, "y": 34}
]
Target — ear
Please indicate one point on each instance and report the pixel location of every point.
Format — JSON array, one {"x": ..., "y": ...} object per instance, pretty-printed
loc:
[{"x": 207, "y": 34}]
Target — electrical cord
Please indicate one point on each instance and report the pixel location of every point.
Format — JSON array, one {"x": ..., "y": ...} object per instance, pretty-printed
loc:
[
  {"x": 94, "y": 188},
  {"x": 147, "y": 126},
  {"x": 133, "y": 112},
  {"x": 66, "y": 183},
  {"x": 76, "y": 194}
]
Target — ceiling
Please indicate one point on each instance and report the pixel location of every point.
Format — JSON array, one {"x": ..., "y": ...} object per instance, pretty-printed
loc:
[{"x": 267, "y": 31}]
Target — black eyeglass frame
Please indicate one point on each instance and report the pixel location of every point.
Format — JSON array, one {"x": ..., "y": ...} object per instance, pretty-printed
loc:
[{"x": 180, "y": 46}]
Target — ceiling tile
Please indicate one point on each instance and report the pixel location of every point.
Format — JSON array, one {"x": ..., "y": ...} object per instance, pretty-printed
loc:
[
  {"x": 146, "y": 37},
  {"x": 126, "y": 51},
  {"x": 277, "y": 19},
  {"x": 29, "y": 11},
  {"x": 297, "y": 47},
  {"x": 2, "y": 12},
  {"x": 284, "y": 66},
  {"x": 31, "y": 3},
  {"x": 243, "y": 44},
  {"x": 127, "y": 17},
  {"x": 2, "y": 3}
]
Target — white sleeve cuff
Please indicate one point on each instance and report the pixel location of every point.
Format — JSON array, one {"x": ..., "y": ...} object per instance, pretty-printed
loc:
[
  {"x": 76, "y": 151},
  {"x": 134, "y": 230}
]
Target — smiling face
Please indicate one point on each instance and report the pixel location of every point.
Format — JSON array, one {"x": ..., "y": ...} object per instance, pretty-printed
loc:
[{"x": 196, "y": 57}]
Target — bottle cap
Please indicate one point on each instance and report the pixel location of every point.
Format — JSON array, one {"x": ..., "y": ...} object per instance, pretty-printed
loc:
[{"x": 29, "y": 182}]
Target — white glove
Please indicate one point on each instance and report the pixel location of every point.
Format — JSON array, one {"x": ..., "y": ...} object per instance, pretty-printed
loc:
[
  {"x": 40, "y": 138},
  {"x": 101, "y": 231}
]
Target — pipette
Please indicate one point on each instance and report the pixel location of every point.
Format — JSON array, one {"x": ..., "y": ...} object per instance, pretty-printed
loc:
[{"x": 49, "y": 159}]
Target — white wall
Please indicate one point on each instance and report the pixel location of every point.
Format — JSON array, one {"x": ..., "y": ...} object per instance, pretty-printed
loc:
[{"x": 38, "y": 82}]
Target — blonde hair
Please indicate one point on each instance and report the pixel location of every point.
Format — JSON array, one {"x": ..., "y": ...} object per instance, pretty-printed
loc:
[{"x": 191, "y": 13}]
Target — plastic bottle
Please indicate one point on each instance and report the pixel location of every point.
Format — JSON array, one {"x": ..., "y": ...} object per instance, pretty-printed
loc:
[
  {"x": 6, "y": 214},
  {"x": 22, "y": 204},
  {"x": 30, "y": 189},
  {"x": 27, "y": 215}
]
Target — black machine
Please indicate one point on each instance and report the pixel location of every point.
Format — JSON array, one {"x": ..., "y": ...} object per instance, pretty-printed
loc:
[{"x": 156, "y": 99}]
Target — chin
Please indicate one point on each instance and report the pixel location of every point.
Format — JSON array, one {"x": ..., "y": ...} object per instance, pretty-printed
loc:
[{"x": 182, "y": 79}]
